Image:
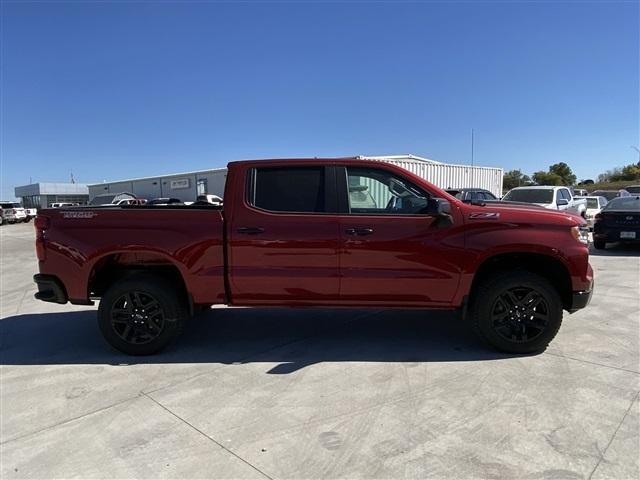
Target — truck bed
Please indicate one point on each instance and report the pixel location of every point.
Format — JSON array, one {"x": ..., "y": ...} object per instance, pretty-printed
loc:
[{"x": 82, "y": 243}]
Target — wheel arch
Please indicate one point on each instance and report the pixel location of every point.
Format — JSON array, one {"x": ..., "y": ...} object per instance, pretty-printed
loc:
[
  {"x": 546, "y": 266},
  {"x": 115, "y": 266}
]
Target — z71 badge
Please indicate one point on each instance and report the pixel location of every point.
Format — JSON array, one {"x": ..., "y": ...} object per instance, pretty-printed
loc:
[{"x": 78, "y": 214}]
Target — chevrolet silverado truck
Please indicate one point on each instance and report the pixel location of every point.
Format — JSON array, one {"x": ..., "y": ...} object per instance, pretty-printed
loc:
[{"x": 342, "y": 232}]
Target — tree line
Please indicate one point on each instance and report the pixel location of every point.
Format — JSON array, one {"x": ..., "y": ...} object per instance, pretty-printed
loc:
[{"x": 561, "y": 174}]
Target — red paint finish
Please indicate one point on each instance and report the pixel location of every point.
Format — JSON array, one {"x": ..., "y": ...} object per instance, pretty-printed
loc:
[
  {"x": 405, "y": 261},
  {"x": 189, "y": 240},
  {"x": 294, "y": 259}
]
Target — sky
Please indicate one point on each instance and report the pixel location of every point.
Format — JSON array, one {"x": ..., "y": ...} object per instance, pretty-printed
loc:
[{"x": 114, "y": 90}]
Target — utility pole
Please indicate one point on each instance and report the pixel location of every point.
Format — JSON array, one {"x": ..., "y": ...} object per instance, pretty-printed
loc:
[
  {"x": 637, "y": 150},
  {"x": 472, "y": 152}
]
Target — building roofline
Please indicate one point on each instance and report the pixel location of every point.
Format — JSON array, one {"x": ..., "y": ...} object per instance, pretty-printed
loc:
[{"x": 407, "y": 156}]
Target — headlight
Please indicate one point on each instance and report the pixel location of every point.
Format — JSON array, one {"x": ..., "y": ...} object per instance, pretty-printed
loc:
[{"x": 581, "y": 234}]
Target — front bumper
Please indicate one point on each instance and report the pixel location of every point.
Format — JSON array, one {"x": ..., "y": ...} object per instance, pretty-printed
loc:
[
  {"x": 612, "y": 234},
  {"x": 50, "y": 289},
  {"x": 581, "y": 299}
]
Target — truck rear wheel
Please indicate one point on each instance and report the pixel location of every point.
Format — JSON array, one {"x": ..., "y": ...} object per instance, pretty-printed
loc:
[
  {"x": 141, "y": 315},
  {"x": 516, "y": 312}
]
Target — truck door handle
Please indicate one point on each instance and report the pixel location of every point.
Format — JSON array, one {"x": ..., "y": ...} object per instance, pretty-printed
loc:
[
  {"x": 359, "y": 231},
  {"x": 250, "y": 230}
]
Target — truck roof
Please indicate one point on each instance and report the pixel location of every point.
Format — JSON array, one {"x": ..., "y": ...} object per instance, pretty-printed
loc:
[
  {"x": 301, "y": 160},
  {"x": 538, "y": 187}
]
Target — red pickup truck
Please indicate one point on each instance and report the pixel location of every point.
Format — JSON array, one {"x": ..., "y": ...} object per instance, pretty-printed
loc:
[{"x": 339, "y": 232}]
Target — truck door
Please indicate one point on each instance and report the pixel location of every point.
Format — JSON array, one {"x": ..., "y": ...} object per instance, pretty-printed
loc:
[
  {"x": 392, "y": 252},
  {"x": 283, "y": 236}
]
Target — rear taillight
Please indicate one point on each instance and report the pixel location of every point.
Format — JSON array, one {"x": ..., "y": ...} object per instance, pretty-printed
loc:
[{"x": 41, "y": 224}]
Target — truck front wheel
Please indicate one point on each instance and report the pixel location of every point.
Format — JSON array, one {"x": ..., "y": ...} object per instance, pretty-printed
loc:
[
  {"x": 516, "y": 312},
  {"x": 141, "y": 315}
]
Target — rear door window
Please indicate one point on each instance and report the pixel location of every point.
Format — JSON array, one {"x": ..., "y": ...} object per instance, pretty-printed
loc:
[{"x": 288, "y": 189}]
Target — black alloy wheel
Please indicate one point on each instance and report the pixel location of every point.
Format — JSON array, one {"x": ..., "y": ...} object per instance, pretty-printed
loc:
[
  {"x": 516, "y": 312},
  {"x": 137, "y": 317},
  {"x": 141, "y": 314},
  {"x": 520, "y": 314}
]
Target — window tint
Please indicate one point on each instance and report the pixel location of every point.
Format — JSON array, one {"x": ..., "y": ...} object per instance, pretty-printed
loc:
[
  {"x": 374, "y": 191},
  {"x": 564, "y": 193},
  {"x": 289, "y": 189}
]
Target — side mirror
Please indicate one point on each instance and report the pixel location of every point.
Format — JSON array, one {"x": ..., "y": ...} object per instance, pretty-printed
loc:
[
  {"x": 438, "y": 207},
  {"x": 562, "y": 202}
]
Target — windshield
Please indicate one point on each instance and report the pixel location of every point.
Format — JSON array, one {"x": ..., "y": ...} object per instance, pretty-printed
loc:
[
  {"x": 624, "y": 203},
  {"x": 533, "y": 195},
  {"x": 608, "y": 194}
]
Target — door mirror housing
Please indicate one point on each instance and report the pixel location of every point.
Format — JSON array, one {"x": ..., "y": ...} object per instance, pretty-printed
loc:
[
  {"x": 438, "y": 207},
  {"x": 562, "y": 202}
]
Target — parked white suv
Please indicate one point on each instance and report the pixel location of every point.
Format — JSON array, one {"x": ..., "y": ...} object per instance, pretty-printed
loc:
[
  {"x": 12, "y": 212},
  {"x": 553, "y": 198},
  {"x": 30, "y": 213},
  {"x": 594, "y": 206}
]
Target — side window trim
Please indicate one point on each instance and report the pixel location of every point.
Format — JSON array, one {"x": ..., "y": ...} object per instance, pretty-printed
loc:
[{"x": 342, "y": 191}]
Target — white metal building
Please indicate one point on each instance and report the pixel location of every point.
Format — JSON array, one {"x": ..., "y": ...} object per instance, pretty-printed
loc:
[
  {"x": 447, "y": 175},
  {"x": 43, "y": 194},
  {"x": 186, "y": 186}
]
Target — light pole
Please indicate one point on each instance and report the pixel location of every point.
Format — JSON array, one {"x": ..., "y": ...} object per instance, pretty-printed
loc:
[{"x": 637, "y": 150}]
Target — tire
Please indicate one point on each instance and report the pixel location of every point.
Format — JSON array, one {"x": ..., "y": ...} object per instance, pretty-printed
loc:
[
  {"x": 516, "y": 312},
  {"x": 141, "y": 315},
  {"x": 599, "y": 244},
  {"x": 27, "y": 220}
]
